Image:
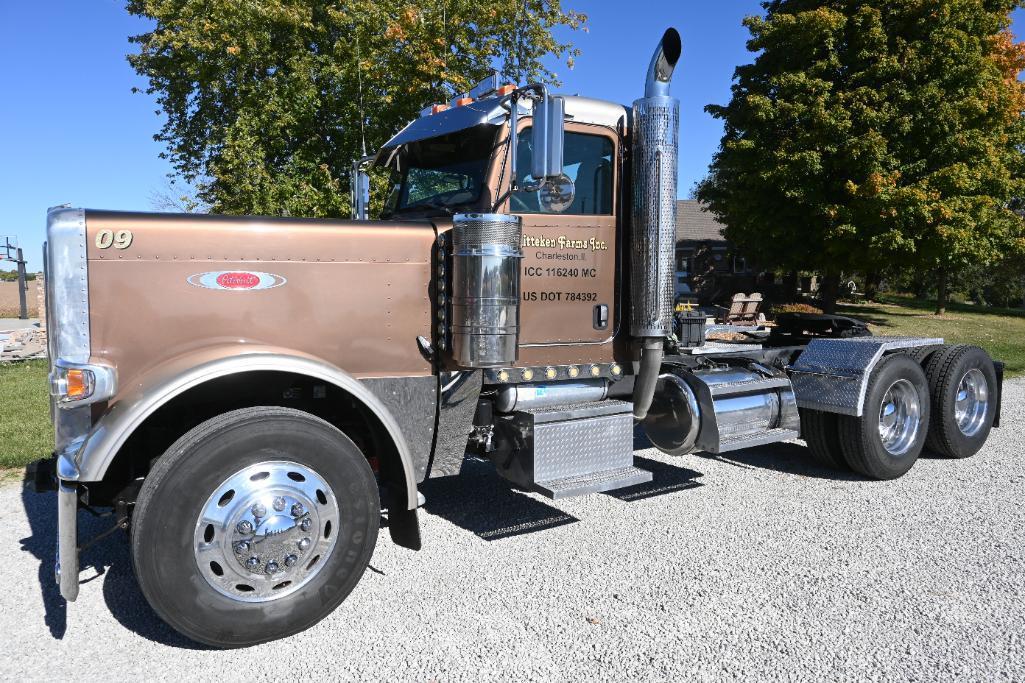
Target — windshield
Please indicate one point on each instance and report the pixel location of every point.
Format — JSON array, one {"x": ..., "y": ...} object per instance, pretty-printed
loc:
[{"x": 443, "y": 172}]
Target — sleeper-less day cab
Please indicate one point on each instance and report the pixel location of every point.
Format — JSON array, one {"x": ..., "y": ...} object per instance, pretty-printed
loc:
[{"x": 249, "y": 395}]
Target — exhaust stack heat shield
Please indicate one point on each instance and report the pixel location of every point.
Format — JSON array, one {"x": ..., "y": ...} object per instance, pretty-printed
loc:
[{"x": 656, "y": 126}]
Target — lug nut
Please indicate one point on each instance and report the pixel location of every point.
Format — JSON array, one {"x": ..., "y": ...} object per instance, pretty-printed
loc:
[
  {"x": 241, "y": 547},
  {"x": 271, "y": 567},
  {"x": 259, "y": 510},
  {"x": 297, "y": 510},
  {"x": 245, "y": 527},
  {"x": 306, "y": 524},
  {"x": 291, "y": 560},
  {"x": 304, "y": 544},
  {"x": 252, "y": 563},
  {"x": 279, "y": 503}
]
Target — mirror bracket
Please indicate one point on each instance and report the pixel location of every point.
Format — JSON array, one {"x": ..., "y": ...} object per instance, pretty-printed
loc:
[
  {"x": 359, "y": 189},
  {"x": 547, "y": 135}
]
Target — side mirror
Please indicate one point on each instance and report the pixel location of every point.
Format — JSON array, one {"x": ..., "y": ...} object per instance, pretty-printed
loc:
[
  {"x": 359, "y": 190},
  {"x": 547, "y": 138}
]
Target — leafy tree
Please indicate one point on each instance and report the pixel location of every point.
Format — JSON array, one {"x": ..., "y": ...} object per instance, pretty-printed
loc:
[
  {"x": 869, "y": 135},
  {"x": 12, "y": 276},
  {"x": 267, "y": 102}
]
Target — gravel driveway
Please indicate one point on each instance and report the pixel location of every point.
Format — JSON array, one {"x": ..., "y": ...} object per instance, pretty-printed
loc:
[{"x": 755, "y": 565}]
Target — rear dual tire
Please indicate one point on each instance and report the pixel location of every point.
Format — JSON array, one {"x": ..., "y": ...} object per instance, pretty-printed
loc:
[
  {"x": 950, "y": 393},
  {"x": 963, "y": 386},
  {"x": 887, "y": 439},
  {"x": 820, "y": 430}
]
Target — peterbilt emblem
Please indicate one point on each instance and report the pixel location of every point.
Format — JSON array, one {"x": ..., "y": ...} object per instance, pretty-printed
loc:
[{"x": 246, "y": 280}]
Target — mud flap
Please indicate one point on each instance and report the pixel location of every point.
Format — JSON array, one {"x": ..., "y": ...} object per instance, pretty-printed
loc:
[
  {"x": 404, "y": 527},
  {"x": 999, "y": 367},
  {"x": 43, "y": 474}
]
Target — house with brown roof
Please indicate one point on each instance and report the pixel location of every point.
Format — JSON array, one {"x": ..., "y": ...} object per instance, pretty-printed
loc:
[{"x": 704, "y": 258}]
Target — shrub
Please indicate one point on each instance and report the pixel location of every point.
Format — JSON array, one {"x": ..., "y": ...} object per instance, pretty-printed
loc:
[{"x": 793, "y": 308}]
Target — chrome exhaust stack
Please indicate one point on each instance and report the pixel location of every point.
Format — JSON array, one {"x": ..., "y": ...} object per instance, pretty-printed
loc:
[{"x": 656, "y": 125}]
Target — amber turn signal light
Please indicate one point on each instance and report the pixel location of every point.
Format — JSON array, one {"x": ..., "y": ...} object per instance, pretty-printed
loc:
[{"x": 79, "y": 384}]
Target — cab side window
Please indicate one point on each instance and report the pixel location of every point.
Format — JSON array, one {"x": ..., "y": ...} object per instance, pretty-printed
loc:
[{"x": 587, "y": 161}]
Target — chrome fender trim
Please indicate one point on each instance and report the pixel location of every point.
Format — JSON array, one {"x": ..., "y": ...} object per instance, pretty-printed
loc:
[{"x": 162, "y": 383}]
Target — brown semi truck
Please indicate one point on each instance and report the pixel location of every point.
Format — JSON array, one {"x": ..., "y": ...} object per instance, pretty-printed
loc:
[{"x": 249, "y": 395}]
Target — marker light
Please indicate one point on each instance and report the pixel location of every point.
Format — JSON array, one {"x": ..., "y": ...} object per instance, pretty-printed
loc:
[
  {"x": 485, "y": 87},
  {"x": 80, "y": 383}
]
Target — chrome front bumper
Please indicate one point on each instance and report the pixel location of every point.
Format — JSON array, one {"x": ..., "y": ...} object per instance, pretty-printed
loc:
[{"x": 65, "y": 569}]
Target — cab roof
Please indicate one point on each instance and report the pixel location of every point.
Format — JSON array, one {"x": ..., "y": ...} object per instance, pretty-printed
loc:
[{"x": 494, "y": 111}]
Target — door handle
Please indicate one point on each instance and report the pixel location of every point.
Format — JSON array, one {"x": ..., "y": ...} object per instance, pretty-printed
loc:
[{"x": 601, "y": 316}]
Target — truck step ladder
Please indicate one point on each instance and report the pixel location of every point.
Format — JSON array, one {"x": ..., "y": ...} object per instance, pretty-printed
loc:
[
  {"x": 572, "y": 450},
  {"x": 606, "y": 480}
]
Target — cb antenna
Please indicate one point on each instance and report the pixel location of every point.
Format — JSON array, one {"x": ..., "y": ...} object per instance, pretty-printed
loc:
[{"x": 359, "y": 86}]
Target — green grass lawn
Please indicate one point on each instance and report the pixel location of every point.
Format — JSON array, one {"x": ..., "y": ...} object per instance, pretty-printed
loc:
[
  {"x": 26, "y": 434},
  {"x": 1000, "y": 331},
  {"x": 25, "y": 430}
]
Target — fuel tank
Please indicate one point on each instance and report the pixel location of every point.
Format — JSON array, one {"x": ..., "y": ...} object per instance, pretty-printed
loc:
[{"x": 721, "y": 409}]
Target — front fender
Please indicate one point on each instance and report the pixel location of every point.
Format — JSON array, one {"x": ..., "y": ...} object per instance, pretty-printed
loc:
[{"x": 136, "y": 402}]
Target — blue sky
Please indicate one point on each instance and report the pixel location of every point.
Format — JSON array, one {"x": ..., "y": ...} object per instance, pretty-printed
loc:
[{"x": 72, "y": 132}]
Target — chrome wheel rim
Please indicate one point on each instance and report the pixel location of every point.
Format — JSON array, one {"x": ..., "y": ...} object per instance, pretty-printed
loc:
[
  {"x": 900, "y": 417},
  {"x": 266, "y": 531},
  {"x": 972, "y": 402}
]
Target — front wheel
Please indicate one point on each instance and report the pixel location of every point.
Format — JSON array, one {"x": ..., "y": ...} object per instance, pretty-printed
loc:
[{"x": 253, "y": 526}]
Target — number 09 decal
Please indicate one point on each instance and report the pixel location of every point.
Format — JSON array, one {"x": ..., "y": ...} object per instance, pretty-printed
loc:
[{"x": 122, "y": 239}]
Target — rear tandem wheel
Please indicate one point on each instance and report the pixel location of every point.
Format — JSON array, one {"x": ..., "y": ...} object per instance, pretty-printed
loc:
[
  {"x": 963, "y": 385},
  {"x": 887, "y": 439},
  {"x": 820, "y": 431}
]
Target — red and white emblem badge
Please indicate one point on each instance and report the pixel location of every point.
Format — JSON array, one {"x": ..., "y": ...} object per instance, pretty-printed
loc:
[{"x": 236, "y": 280}]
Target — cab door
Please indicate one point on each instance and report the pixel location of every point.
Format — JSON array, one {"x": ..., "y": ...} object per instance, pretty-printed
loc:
[{"x": 568, "y": 278}]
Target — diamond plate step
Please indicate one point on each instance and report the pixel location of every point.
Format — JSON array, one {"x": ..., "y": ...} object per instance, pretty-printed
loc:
[
  {"x": 735, "y": 443},
  {"x": 596, "y": 482},
  {"x": 580, "y": 411},
  {"x": 757, "y": 387}
]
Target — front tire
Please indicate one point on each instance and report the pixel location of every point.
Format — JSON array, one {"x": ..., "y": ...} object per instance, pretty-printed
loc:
[
  {"x": 254, "y": 526},
  {"x": 887, "y": 439}
]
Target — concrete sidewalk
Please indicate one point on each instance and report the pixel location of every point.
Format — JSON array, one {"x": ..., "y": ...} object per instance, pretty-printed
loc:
[
  {"x": 21, "y": 339},
  {"x": 11, "y": 324}
]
